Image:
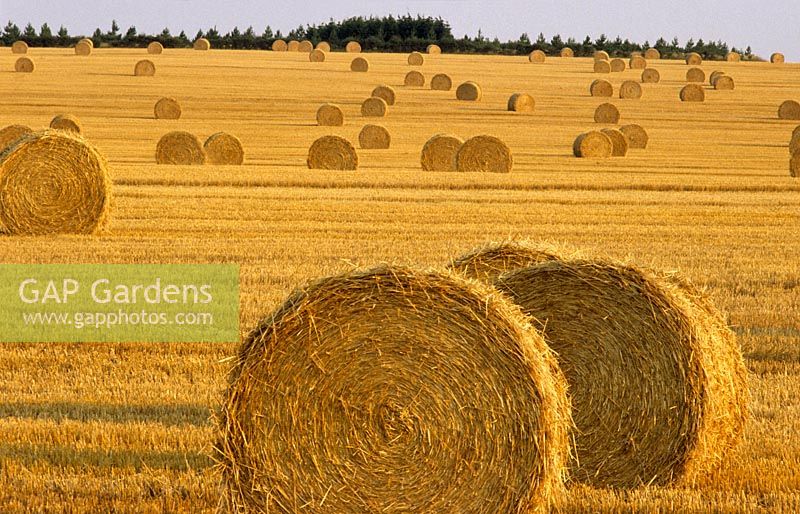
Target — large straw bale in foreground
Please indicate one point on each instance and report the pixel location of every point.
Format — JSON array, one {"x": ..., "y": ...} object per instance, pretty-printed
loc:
[
  {"x": 484, "y": 154},
  {"x": 637, "y": 136},
  {"x": 439, "y": 153},
  {"x": 593, "y": 145},
  {"x": 11, "y": 133},
  {"x": 436, "y": 383},
  {"x": 789, "y": 110},
  {"x": 693, "y": 93},
  {"x": 469, "y": 91},
  {"x": 330, "y": 115},
  {"x": 202, "y": 44},
  {"x": 441, "y": 82},
  {"x": 67, "y": 122},
  {"x": 167, "y": 109},
  {"x": 180, "y": 147},
  {"x": 521, "y": 102},
  {"x": 374, "y": 137},
  {"x": 224, "y": 149},
  {"x": 53, "y": 182},
  {"x": 332, "y": 153},
  {"x": 606, "y": 113}
]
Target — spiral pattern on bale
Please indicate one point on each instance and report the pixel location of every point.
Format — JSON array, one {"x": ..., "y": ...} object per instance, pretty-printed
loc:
[
  {"x": 359, "y": 64},
  {"x": 601, "y": 88},
  {"x": 441, "y": 82},
  {"x": 24, "y": 65},
  {"x": 353, "y": 47},
  {"x": 789, "y": 110},
  {"x": 566, "y": 52},
  {"x": 180, "y": 147},
  {"x": 537, "y": 57},
  {"x": 332, "y": 153},
  {"x": 19, "y": 47},
  {"x": 484, "y": 154},
  {"x": 202, "y": 44},
  {"x": 619, "y": 143},
  {"x": 428, "y": 389},
  {"x": 652, "y": 54},
  {"x": 606, "y": 113},
  {"x": 83, "y": 47},
  {"x": 439, "y": 153},
  {"x": 374, "y": 107},
  {"x": 694, "y": 59},
  {"x": 53, "y": 182},
  {"x": 279, "y": 45},
  {"x": 324, "y": 46},
  {"x": 155, "y": 48},
  {"x": 316, "y": 55},
  {"x": 650, "y": 76},
  {"x": 630, "y": 90},
  {"x": 66, "y": 122},
  {"x": 637, "y": 136},
  {"x": 695, "y": 75},
  {"x": 224, "y": 149},
  {"x": 601, "y": 66},
  {"x": 293, "y": 46},
  {"x": 330, "y": 115},
  {"x": 724, "y": 83},
  {"x": 733, "y": 57},
  {"x": 414, "y": 79},
  {"x": 144, "y": 68},
  {"x": 777, "y": 58},
  {"x": 167, "y": 109},
  {"x": 433, "y": 50},
  {"x": 416, "y": 59},
  {"x": 388, "y": 94},
  {"x": 637, "y": 62},
  {"x": 374, "y": 137},
  {"x": 469, "y": 91},
  {"x": 521, "y": 102},
  {"x": 693, "y": 93},
  {"x": 593, "y": 145},
  {"x": 11, "y": 133},
  {"x": 617, "y": 65}
]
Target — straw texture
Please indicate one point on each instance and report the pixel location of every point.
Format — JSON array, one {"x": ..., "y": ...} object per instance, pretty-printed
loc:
[
  {"x": 279, "y": 45},
  {"x": 441, "y": 82},
  {"x": 155, "y": 48},
  {"x": 374, "y": 137},
  {"x": 521, "y": 102},
  {"x": 19, "y": 47},
  {"x": 619, "y": 143},
  {"x": 353, "y": 47},
  {"x": 433, "y": 50},
  {"x": 387, "y": 93},
  {"x": 202, "y": 44},
  {"x": 167, "y": 109},
  {"x": 537, "y": 57},
  {"x": 224, "y": 149},
  {"x": 416, "y": 59},
  {"x": 637, "y": 136},
  {"x": 332, "y": 153},
  {"x": 24, "y": 65},
  {"x": 606, "y": 113},
  {"x": 439, "y": 153},
  {"x": 630, "y": 90},
  {"x": 330, "y": 115},
  {"x": 789, "y": 110},
  {"x": 180, "y": 147},
  {"x": 469, "y": 91},
  {"x": 693, "y": 93},
  {"x": 66, "y": 122},
  {"x": 374, "y": 107},
  {"x": 601, "y": 88},
  {"x": 652, "y": 54},
  {"x": 144, "y": 68},
  {"x": 601, "y": 66},
  {"x": 11, "y": 133},
  {"x": 484, "y": 154},
  {"x": 593, "y": 145},
  {"x": 414, "y": 79},
  {"x": 359, "y": 64}
]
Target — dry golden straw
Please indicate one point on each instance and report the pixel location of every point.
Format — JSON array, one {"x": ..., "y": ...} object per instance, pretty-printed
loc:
[
  {"x": 66, "y": 122},
  {"x": 567, "y": 52},
  {"x": 630, "y": 89},
  {"x": 637, "y": 136},
  {"x": 374, "y": 107},
  {"x": 53, "y": 182},
  {"x": 724, "y": 82},
  {"x": 83, "y": 48},
  {"x": 359, "y": 64},
  {"x": 330, "y": 115},
  {"x": 794, "y": 165},
  {"x": 332, "y": 153},
  {"x": 180, "y": 147},
  {"x": 484, "y": 154},
  {"x": 353, "y": 47},
  {"x": 416, "y": 59},
  {"x": 733, "y": 57},
  {"x": 88, "y": 41},
  {"x": 439, "y": 153},
  {"x": 537, "y": 56},
  {"x": 714, "y": 75},
  {"x": 602, "y": 67},
  {"x": 619, "y": 143},
  {"x": 19, "y": 47},
  {"x": 794, "y": 143},
  {"x": 433, "y": 50},
  {"x": 694, "y": 59},
  {"x": 11, "y": 133},
  {"x": 601, "y": 88},
  {"x": 414, "y": 79},
  {"x": 374, "y": 137},
  {"x": 469, "y": 91},
  {"x": 657, "y": 380},
  {"x": 617, "y": 65},
  {"x": 394, "y": 390},
  {"x": 224, "y": 149},
  {"x": 650, "y": 76},
  {"x": 606, "y": 113},
  {"x": 593, "y": 145},
  {"x": 202, "y": 44},
  {"x": 386, "y": 92},
  {"x": 601, "y": 55},
  {"x": 24, "y": 65},
  {"x": 637, "y": 62},
  {"x": 293, "y": 46},
  {"x": 279, "y": 45},
  {"x": 521, "y": 102},
  {"x": 167, "y": 109},
  {"x": 693, "y": 93},
  {"x": 777, "y": 58},
  {"x": 305, "y": 46},
  {"x": 316, "y": 55},
  {"x": 144, "y": 68},
  {"x": 695, "y": 75},
  {"x": 441, "y": 82},
  {"x": 324, "y": 46},
  {"x": 155, "y": 48},
  {"x": 652, "y": 54},
  {"x": 789, "y": 110}
]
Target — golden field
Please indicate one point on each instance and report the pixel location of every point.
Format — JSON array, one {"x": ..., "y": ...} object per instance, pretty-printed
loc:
[{"x": 128, "y": 427}]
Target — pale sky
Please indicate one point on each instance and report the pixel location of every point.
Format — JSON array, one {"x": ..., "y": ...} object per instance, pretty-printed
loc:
[{"x": 766, "y": 25}]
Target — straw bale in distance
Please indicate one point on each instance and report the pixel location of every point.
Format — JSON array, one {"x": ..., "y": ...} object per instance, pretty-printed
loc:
[
  {"x": 439, "y": 153},
  {"x": 330, "y": 115},
  {"x": 484, "y": 378},
  {"x": 144, "y": 68},
  {"x": 24, "y": 65},
  {"x": 83, "y": 48},
  {"x": 694, "y": 59},
  {"x": 567, "y": 52},
  {"x": 713, "y": 77},
  {"x": 11, "y": 133},
  {"x": 650, "y": 76},
  {"x": 601, "y": 55},
  {"x": 180, "y": 147},
  {"x": 353, "y": 47},
  {"x": 484, "y": 154},
  {"x": 374, "y": 107},
  {"x": 619, "y": 142},
  {"x": 441, "y": 82},
  {"x": 434, "y": 50},
  {"x": 652, "y": 54},
  {"x": 316, "y": 55},
  {"x": 224, "y": 149},
  {"x": 796, "y": 132},
  {"x": 630, "y": 89},
  {"x": 733, "y": 57},
  {"x": 601, "y": 88},
  {"x": 374, "y": 137},
  {"x": 293, "y": 46},
  {"x": 414, "y": 79},
  {"x": 617, "y": 65},
  {"x": 794, "y": 143},
  {"x": 537, "y": 56},
  {"x": 606, "y": 113},
  {"x": 167, "y": 109},
  {"x": 202, "y": 44},
  {"x": 794, "y": 165},
  {"x": 416, "y": 59},
  {"x": 88, "y": 41},
  {"x": 637, "y": 62},
  {"x": 155, "y": 48},
  {"x": 66, "y": 122},
  {"x": 19, "y": 47},
  {"x": 53, "y": 182},
  {"x": 332, "y": 153},
  {"x": 593, "y": 144},
  {"x": 777, "y": 58},
  {"x": 789, "y": 110},
  {"x": 305, "y": 46},
  {"x": 602, "y": 67},
  {"x": 324, "y": 46},
  {"x": 724, "y": 82},
  {"x": 469, "y": 91},
  {"x": 695, "y": 75},
  {"x": 521, "y": 102},
  {"x": 359, "y": 64},
  {"x": 279, "y": 45},
  {"x": 386, "y": 92},
  {"x": 487, "y": 263},
  {"x": 693, "y": 93},
  {"x": 637, "y": 136}
]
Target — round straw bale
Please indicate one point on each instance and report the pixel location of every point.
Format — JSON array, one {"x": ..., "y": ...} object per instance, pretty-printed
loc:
[
  {"x": 330, "y": 115},
  {"x": 353, "y": 47},
  {"x": 434, "y": 49},
  {"x": 324, "y": 46},
  {"x": 439, "y": 153},
  {"x": 796, "y": 132},
  {"x": 386, "y": 92},
  {"x": 650, "y": 76},
  {"x": 24, "y": 65},
  {"x": 332, "y": 153},
  {"x": 733, "y": 57},
  {"x": 637, "y": 136},
  {"x": 144, "y": 68},
  {"x": 652, "y": 54},
  {"x": 414, "y": 79},
  {"x": 789, "y": 110},
  {"x": 180, "y": 147},
  {"x": 155, "y": 48},
  {"x": 630, "y": 89},
  {"x": 617, "y": 65},
  {"x": 416, "y": 59},
  {"x": 619, "y": 142},
  {"x": 777, "y": 58},
  {"x": 82, "y": 47},
  {"x": 374, "y": 107},
  {"x": 316, "y": 55},
  {"x": 601, "y": 88},
  {"x": 202, "y": 44},
  {"x": 637, "y": 62},
  {"x": 224, "y": 149},
  {"x": 794, "y": 143},
  {"x": 643, "y": 352},
  {"x": 695, "y": 75},
  {"x": 53, "y": 182},
  {"x": 469, "y": 91},
  {"x": 293, "y": 46},
  {"x": 11, "y": 133},
  {"x": 593, "y": 144},
  {"x": 567, "y": 52},
  {"x": 66, "y": 122},
  {"x": 425, "y": 374},
  {"x": 487, "y": 263},
  {"x": 606, "y": 113},
  {"x": 724, "y": 82},
  {"x": 441, "y": 82},
  {"x": 635, "y": 53},
  {"x": 794, "y": 165},
  {"x": 601, "y": 55},
  {"x": 167, "y": 109},
  {"x": 714, "y": 75},
  {"x": 694, "y": 59},
  {"x": 602, "y": 67},
  {"x": 19, "y": 47},
  {"x": 374, "y": 137},
  {"x": 537, "y": 56},
  {"x": 521, "y": 102},
  {"x": 279, "y": 45},
  {"x": 484, "y": 154},
  {"x": 88, "y": 40},
  {"x": 359, "y": 64},
  {"x": 305, "y": 46},
  {"x": 693, "y": 93}
]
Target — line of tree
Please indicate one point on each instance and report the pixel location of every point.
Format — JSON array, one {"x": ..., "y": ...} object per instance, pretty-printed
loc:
[{"x": 385, "y": 34}]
